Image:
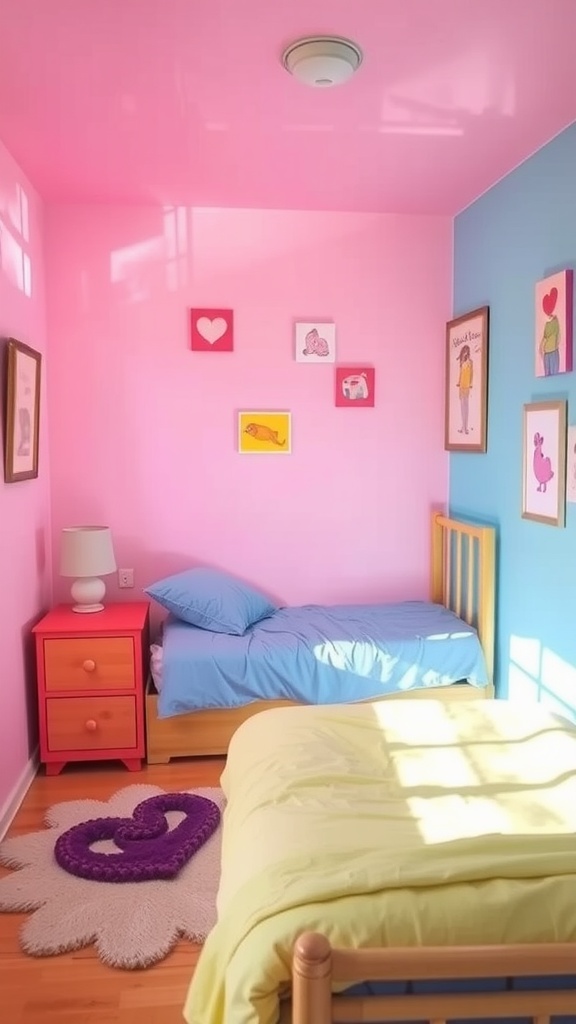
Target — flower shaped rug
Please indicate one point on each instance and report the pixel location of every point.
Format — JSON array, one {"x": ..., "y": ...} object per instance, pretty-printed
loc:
[{"x": 131, "y": 924}]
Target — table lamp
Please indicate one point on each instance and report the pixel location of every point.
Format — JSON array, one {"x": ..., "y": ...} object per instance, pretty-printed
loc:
[{"x": 87, "y": 553}]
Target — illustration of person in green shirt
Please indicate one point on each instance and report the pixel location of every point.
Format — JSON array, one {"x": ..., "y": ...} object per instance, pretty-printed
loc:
[
  {"x": 550, "y": 346},
  {"x": 464, "y": 385}
]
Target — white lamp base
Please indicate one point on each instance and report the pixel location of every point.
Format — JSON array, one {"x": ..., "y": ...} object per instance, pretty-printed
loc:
[{"x": 87, "y": 593}]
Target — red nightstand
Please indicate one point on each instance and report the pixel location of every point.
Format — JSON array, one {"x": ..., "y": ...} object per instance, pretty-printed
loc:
[{"x": 90, "y": 670}]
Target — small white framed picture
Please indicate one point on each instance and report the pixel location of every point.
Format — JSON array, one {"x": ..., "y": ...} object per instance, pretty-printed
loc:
[{"x": 315, "y": 342}]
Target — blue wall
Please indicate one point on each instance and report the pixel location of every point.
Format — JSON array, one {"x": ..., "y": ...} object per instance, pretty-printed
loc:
[{"x": 520, "y": 231}]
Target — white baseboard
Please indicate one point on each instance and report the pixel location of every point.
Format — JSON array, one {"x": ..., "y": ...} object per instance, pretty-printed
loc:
[{"x": 19, "y": 790}]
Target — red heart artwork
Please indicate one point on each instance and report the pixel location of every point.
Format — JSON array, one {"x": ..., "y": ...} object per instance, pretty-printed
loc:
[
  {"x": 549, "y": 301},
  {"x": 212, "y": 330}
]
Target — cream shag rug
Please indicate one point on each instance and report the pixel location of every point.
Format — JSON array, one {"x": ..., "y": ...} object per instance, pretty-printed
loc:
[{"x": 132, "y": 924}]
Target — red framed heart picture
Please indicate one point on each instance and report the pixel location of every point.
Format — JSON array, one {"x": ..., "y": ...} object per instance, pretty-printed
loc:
[
  {"x": 212, "y": 330},
  {"x": 554, "y": 314}
]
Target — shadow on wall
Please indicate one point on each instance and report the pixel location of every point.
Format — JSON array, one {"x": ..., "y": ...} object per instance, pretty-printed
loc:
[
  {"x": 31, "y": 692},
  {"x": 538, "y": 674},
  {"x": 135, "y": 268}
]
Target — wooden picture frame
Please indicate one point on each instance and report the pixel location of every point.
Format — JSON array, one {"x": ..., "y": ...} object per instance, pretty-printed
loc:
[
  {"x": 22, "y": 412},
  {"x": 544, "y": 462},
  {"x": 466, "y": 394}
]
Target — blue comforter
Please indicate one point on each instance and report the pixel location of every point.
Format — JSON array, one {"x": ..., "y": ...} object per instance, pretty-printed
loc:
[{"x": 319, "y": 654}]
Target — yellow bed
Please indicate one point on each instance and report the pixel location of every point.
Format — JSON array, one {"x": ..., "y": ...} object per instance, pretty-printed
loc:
[
  {"x": 462, "y": 577},
  {"x": 392, "y": 831}
]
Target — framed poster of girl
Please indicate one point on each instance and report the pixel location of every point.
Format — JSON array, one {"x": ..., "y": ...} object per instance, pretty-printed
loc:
[{"x": 466, "y": 396}]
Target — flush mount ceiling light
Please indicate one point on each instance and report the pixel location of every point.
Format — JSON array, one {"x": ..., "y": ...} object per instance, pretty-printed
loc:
[{"x": 322, "y": 60}]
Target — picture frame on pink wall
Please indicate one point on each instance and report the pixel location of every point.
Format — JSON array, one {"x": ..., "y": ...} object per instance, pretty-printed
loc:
[
  {"x": 315, "y": 342},
  {"x": 264, "y": 432},
  {"x": 355, "y": 387},
  {"x": 553, "y": 324},
  {"x": 21, "y": 412},
  {"x": 212, "y": 330}
]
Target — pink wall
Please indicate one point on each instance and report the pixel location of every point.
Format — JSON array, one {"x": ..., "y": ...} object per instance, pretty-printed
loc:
[
  {"x": 24, "y": 506},
  {"x": 142, "y": 430}
]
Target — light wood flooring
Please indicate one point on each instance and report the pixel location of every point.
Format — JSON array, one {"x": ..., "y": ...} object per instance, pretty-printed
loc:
[{"x": 77, "y": 988}]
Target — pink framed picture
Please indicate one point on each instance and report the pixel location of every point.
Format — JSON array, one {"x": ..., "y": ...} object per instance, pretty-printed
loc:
[
  {"x": 553, "y": 310},
  {"x": 355, "y": 386},
  {"x": 212, "y": 330}
]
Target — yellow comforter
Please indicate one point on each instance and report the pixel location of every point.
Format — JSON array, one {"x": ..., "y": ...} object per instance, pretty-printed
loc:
[{"x": 396, "y": 823}]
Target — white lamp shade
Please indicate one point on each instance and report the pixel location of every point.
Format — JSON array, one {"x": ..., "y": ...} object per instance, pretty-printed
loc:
[{"x": 86, "y": 551}]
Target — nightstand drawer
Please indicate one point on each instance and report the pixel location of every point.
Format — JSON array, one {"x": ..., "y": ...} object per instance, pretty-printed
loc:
[
  {"x": 90, "y": 723},
  {"x": 86, "y": 663}
]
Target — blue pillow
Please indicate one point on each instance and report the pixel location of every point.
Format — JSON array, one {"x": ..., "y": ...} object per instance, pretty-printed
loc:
[{"x": 211, "y": 599}]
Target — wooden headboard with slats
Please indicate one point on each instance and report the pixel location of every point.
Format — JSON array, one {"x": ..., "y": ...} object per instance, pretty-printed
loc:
[{"x": 463, "y": 576}]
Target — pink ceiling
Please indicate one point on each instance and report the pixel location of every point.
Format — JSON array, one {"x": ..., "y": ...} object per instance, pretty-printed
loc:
[{"x": 186, "y": 101}]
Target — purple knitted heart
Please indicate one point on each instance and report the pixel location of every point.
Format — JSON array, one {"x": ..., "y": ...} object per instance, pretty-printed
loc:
[{"x": 149, "y": 850}]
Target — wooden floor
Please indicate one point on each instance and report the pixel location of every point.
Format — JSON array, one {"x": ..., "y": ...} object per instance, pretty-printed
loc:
[{"x": 77, "y": 988}]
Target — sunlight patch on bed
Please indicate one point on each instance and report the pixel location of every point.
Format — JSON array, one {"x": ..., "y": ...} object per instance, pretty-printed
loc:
[
  {"x": 369, "y": 662},
  {"x": 355, "y": 656},
  {"x": 479, "y": 785}
]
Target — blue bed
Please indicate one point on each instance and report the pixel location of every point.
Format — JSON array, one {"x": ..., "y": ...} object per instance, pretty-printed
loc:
[{"x": 319, "y": 654}]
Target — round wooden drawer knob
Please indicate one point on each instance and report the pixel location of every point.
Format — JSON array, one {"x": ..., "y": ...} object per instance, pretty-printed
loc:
[
  {"x": 91, "y": 725},
  {"x": 89, "y": 665}
]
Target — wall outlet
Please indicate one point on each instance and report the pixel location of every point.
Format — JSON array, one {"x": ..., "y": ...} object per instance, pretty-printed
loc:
[{"x": 125, "y": 577}]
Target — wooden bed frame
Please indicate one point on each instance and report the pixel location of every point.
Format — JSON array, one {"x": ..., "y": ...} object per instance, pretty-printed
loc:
[
  {"x": 462, "y": 577},
  {"x": 315, "y": 966}
]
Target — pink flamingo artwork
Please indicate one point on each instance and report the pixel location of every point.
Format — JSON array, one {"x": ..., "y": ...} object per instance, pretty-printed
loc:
[{"x": 542, "y": 466}]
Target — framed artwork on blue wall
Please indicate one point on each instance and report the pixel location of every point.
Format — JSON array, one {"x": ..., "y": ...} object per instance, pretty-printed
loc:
[
  {"x": 553, "y": 312},
  {"x": 571, "y": 465},
  {"x": 544, "y": 462},
  {"x": 466, "y": 394}
]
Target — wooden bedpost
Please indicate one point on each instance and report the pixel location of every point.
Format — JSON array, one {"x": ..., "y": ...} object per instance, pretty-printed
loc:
[
  {"x": 487, "y": 598},
  {"x": 312, "y": 980},
  {"x": 437, "y": 560}
]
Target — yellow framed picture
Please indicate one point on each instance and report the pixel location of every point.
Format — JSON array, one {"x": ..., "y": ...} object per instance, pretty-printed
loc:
[{"x": 264, "y": 432}]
